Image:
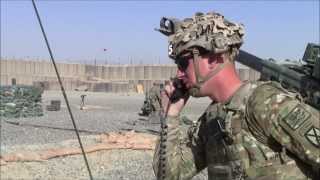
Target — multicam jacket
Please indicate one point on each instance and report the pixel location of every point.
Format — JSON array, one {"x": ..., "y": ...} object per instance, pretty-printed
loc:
[
  {"x": 262, "y": 132},
  {"x": 152, "y": 100}
]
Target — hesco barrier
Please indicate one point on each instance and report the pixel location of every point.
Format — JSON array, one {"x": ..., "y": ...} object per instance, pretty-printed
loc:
[{"x": 103, "y": 78}]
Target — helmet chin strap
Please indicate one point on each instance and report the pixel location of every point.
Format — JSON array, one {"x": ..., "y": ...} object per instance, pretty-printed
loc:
[{"x": 200, "y": 80}]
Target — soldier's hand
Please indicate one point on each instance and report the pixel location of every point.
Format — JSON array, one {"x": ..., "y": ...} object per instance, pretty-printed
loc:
[{"x": 170, "y": 106}]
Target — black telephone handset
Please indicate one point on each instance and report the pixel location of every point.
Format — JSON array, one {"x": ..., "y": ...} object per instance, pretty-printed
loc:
[{"x": 180, "y": 90}]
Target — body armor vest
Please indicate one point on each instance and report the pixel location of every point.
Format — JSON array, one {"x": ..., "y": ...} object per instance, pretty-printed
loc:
[{"x": 235, "y": 152}]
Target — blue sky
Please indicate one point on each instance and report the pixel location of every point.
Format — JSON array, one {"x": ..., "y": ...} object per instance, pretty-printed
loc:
[{"x": 80, "y": 30}]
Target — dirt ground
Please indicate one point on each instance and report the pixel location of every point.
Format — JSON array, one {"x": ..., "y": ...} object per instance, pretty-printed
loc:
[{"x": 105, "y": 113}]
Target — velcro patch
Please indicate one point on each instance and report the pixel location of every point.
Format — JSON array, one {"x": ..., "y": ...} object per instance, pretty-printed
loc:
[
  {"x": 296, "y": 117},
  {"x": 313, "y": 136}
]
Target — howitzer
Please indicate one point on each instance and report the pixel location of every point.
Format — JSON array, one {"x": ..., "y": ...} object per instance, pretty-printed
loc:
[{"x": 304, "y": 78}]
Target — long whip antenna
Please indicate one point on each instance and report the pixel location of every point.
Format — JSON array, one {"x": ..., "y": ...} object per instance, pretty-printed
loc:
[{"x": 62, "y": 89}]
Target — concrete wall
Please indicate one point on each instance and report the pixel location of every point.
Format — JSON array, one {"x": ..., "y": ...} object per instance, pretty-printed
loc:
[{"x": 115, "y": 78}]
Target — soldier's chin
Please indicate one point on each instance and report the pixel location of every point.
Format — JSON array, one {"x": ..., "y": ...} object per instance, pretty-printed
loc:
[{"x": 195, "y": 92}]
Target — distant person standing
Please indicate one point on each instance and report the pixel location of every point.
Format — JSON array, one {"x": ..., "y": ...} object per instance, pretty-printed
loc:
[
  {"x": 82, "y": 96},
  {"x": 82, "y": 101}
]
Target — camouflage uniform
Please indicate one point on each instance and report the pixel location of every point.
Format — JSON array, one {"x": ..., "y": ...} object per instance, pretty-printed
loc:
[
  {"x": 262, "y": 132},
  {"x": 152, "y": 102},
  {"x": 154, "y": 98}
]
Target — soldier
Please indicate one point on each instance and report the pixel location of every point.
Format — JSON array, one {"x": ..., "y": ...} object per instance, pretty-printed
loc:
[
  {"x": 82, "y": 96},
  {"x": 252, "y": 130},
  {"x": 152, "y": 102},
  {"x": 154, "y": 97}
]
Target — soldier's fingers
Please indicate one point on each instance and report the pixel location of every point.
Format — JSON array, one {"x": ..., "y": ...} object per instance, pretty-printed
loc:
[
  {"x": 164, "y": 93},
  {"x": 169, "y": 89}
]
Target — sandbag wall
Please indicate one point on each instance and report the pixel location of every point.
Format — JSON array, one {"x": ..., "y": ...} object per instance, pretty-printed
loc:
[{"x": 20, "y": 101}]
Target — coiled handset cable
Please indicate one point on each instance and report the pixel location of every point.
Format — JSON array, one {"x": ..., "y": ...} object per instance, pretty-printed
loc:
[
  {"x": 179, "y": 92},
  {"x": 163, "y": 143}
]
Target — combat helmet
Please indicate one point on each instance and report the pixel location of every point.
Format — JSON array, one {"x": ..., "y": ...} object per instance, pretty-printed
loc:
[{"x": 208, "y": 33}]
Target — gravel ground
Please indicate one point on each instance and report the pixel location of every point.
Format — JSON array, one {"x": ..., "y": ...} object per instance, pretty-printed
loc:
[
  {"x": 108, "y": 113},
  {"x": 111, "y": 112},
  {"x": 112, "y": 164}
]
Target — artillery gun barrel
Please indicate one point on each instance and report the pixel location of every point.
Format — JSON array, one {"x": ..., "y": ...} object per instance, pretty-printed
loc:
[
  {"x": 261, "y": 66},
  {"x": 307, "y": 85}
]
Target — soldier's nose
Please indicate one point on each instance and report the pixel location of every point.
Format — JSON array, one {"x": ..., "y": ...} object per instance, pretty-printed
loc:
[{"x": 180, "y": 73}]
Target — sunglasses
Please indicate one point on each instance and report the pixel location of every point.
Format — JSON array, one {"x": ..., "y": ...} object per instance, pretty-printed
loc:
[
  {"x": 182, "y": 64},
  {"x": 183, "y": 61}
]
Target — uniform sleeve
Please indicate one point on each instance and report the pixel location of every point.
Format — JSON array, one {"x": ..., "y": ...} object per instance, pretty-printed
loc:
[
  {"x": 182, "y": 159},
  {"x": 273, "y": 113}
]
